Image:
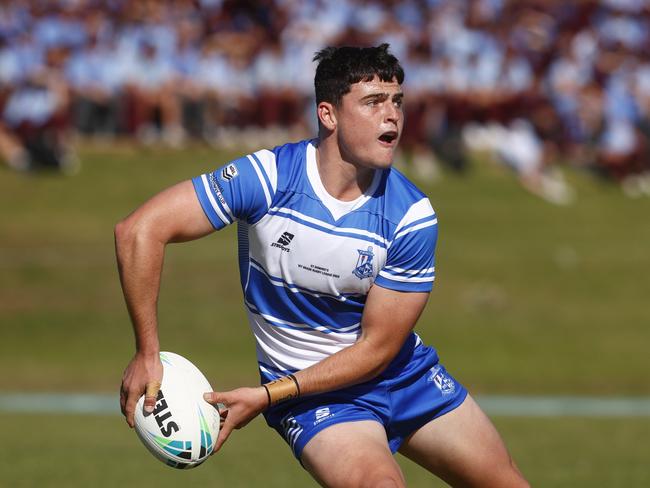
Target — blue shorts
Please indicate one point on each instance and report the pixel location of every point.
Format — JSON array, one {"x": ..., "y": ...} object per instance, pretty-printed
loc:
[{"x": 402, "y": 401}]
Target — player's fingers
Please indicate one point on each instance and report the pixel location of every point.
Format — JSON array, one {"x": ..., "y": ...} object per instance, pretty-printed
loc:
[
  {"x": 150, "y": 395},
  {"x": 210, "y": 397},
  {"x": 122, "y": 399},
  {"x": 223, "y": 414},
  {"x": 224, "y": 432},
  {"x": 129, "y": 409},
  {"x": 217, "y": 399}
]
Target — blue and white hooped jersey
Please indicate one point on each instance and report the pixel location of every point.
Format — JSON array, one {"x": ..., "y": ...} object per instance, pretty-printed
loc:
[{"x": 308, "y": 260}]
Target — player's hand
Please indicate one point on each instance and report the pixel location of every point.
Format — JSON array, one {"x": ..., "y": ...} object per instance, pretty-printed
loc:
[
  {"x": 241, "y": 406},
  {"x": 143, "y": 375}
]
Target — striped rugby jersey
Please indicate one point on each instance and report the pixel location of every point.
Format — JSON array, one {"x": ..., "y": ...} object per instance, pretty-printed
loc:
[{"x": 308, "y": 260}]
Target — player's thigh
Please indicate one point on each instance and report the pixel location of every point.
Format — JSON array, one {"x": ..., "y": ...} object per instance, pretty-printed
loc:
[
  {"x": 463, "y": 448},
  {"x": 352, "y": 454}
]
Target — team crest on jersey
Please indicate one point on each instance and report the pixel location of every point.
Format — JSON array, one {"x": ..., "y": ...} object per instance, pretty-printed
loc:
[
  {"x": 229, "y": 172},
  {"x": 363, "y": 269},
  {"x": 438, "y": 377}
]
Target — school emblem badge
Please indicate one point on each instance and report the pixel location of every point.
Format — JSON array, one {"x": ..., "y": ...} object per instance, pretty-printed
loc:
[
  {"x": 442, "y": 381},
  {"x": 363, "y": 269}
]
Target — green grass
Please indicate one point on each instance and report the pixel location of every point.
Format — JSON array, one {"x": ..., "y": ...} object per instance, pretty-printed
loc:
[
  {"x": 81, "y": 451},
  {"x": 529, "y": 299}
]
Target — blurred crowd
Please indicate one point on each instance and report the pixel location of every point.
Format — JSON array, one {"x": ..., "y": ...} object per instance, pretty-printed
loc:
[{"x": 534, "y": 83}]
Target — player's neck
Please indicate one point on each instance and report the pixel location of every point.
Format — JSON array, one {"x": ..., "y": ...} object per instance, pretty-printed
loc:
[{"x": 342, "y": 179}]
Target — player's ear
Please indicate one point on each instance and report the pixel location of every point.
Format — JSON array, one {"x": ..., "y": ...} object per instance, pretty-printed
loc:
[{"x": 326, "y": 115}]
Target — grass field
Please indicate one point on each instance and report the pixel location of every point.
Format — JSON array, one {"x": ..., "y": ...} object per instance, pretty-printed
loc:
[
  {"x": 530, "y": 299},
  {"x": 70, "y": 451}
]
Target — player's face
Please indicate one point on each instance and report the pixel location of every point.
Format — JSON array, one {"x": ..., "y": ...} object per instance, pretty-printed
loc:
[{"x": 369, "y": 123}]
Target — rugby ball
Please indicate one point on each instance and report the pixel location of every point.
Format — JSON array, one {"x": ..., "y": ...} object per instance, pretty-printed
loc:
[{"x": 182, "y": 429}]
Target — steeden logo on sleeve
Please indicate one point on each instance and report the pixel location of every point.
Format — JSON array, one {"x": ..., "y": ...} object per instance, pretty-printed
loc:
[{"x": 229, "y": 172}]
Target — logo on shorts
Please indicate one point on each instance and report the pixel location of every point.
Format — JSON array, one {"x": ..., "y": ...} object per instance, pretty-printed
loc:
[
  {"x": 363, "y": 269},
  {"x": 322, "y": 414},
  {"x": 292, "y": 430},
  {"x": 229, "y": 172},
  {"x": 442, "y": 381}
]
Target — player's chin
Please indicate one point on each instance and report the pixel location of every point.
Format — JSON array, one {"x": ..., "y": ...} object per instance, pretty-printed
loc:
[
  {"x": 385, "y": 154},
  {"x": 380, "y": 164}
]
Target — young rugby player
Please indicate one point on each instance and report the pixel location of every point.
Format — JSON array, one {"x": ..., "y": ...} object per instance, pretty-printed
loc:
[{"x": 336, "y": 255}]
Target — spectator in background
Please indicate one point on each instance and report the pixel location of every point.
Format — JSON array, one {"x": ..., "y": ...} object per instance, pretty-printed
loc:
[
  {"x": 621, "y": 150},
  {"x": 575, "y": 71},
  {"x": 640, "y": 183},
  {"x": 12, "y": 151},
  {"x": 425, "y": 115},
  {"x": 282, "y": 109},
  {"x": 36, "y": 114},
  {"x": 185, "y": 65},
  {"x": 95, "y": 79},
  {"x": 155, "y": 110}
]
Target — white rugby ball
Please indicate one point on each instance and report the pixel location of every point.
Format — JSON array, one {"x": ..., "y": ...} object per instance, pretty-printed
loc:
[{"x": 182, "y": 430}]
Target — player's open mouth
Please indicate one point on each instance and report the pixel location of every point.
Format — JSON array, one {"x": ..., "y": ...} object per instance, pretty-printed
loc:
[{"x": 389, "y": 137}]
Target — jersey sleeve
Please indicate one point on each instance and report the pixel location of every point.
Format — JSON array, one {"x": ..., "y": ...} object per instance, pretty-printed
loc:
[
  {"x": 240, "y": 190},
  {"x": 410, "y": 263}
]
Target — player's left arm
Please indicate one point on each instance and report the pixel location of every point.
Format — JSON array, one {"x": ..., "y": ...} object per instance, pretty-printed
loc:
[{"x": 389, "y": 317}]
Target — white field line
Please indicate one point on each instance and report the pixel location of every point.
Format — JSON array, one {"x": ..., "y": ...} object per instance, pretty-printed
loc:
[{"x": 498, "y": 405}]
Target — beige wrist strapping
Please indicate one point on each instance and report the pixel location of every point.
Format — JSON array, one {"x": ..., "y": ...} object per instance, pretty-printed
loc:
[{"x": 282, "y": 389}]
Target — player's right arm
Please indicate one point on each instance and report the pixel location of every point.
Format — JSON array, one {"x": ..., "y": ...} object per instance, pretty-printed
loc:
[{"x": 174, "y": 215}]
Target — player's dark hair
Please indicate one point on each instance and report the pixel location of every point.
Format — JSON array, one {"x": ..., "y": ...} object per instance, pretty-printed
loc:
[{"x": 340, "y": 67}]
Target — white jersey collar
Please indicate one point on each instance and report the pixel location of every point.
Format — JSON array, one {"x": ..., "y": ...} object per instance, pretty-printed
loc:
[{"x": 337, "y": 208}]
